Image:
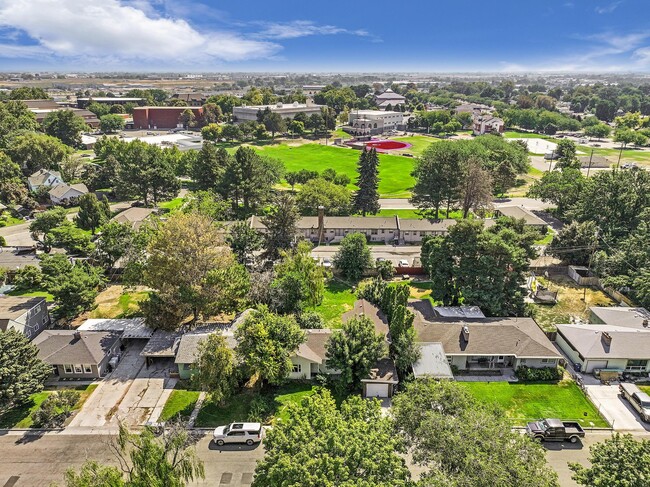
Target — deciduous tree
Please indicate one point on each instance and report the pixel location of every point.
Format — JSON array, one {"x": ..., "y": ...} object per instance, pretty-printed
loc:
[
  {"x": 215, "y": 367},
  {"x": 66, "y": 126},
  {"x": 353, "y": 256}
]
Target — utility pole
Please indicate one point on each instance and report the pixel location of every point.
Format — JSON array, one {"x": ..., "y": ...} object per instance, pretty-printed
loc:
[
  {"x": 590, "y": 158},
  {"x": 591, "y": 257},
  {"x": 620, "y": 153},
  {"x": 550, "y": 164}
]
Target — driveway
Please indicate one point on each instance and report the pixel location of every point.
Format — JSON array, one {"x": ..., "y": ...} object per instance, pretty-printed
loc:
[
  {"x": 132, "y": 394},
  {"x": 615, "y": 409}
]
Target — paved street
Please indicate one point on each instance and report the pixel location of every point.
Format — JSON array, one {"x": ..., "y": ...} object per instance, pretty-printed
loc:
[
  {"x": 18, "y": 235},
  {"x": 35, "y": 461}
]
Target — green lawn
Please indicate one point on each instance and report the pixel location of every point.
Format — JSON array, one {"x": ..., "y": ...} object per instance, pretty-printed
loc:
[
  {"x": 116, "y": 302},
  {"x": 181, "y": 403},
  {"x": 7, "y": 221},
  {"x": 527, "y": 402},
  {"x": 39, "y": 293},
  {"x": 337, "y": 299},
  {"x": 419, "y": 143},
  {"x": 238, "y": 407},
  {"x": 20, "y": 417},
  {"x": 547, "y": 239},
  {"x": 418, "y": 214},
  {"x": 645, "y": 389},
  {"x": 629, "y": 155},
  {"x": 514, "y": 134},
  {"x": 171, "y": 205},
  {"x": 394, "y": 171}
]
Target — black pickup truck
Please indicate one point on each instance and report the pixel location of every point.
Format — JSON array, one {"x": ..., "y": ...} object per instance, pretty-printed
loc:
[{"x": 555, "y": 430}]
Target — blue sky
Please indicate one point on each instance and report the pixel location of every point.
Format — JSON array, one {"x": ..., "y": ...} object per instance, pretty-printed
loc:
[{"x": 326, "y": 36}]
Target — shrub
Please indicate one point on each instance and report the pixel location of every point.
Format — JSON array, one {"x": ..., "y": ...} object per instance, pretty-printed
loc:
[
  {"x": 544, "y": 374},
  {"x": 55, "y": 409},
  {"x": 261, "y": 409},
  {"x": 385, "y": 269},
  {"x": 310, "y": 320}
]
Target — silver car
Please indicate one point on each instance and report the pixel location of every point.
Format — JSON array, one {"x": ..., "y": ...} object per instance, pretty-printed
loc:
[{"x": 249, "y": 433}]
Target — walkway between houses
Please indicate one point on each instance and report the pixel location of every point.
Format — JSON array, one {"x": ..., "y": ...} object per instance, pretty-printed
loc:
[{"x": 197, "y": 408}]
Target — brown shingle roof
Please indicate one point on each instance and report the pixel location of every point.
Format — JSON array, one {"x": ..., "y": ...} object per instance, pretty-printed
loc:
[
  {"x": 370, "y": 311},
  {"x": 12, "y": 307},
  {"x": 58, "y": 347},
  {"x": 315, "y": 347}
]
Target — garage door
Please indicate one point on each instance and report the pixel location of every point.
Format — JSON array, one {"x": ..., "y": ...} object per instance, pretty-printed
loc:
[
  {"x": 596, "y": 364},
  {"x": 376, "y": 390}
]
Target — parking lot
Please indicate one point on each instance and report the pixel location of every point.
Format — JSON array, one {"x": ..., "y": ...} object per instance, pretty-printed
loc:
[
  {"x": 130, "y": 394},
  {"x": 388, "y": 252}
]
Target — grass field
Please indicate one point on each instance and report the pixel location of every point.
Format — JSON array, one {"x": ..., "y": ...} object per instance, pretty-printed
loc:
[
  {"x": 417, "y": 213},
  {"x": 181, "y": 403},
  {"x": 337, "y": 299},
  {"x": 238, "y": 407},
  {"x": 171, "y": 205},
  {"x": 116, "y": 302},
  {"x": 38, "y": 293},
  {"x": 570, "y": 302},
  {"x": 419, "y": 143},
  {"x": 527, "y": 402},
  {"x": 394, "y": 171}
]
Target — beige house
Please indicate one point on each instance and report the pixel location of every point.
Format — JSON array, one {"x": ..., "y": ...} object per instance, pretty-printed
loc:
[
  {"x": 44, "y": 178},
  {"x": 309, "y": 360},
  {"x": 134, "y": 217},
  {"x": 66, "y": 193}
]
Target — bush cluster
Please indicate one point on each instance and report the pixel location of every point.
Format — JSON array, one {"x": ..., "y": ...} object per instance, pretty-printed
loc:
[{"x": 544, "y": 374}]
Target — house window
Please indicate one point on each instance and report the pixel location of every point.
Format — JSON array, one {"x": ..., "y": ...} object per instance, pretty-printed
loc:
[
  {"x": 373, "y": 231},
  {"x": 522, "y": 361},
  {"x": 636, "y": 365},
  {"x": 88, "y": 369},
  {"x": 297, "y": 368},
  {"x": 546, "y": 360},
  {"x": 67, "y": 368},
  {"x": 78, "y": 369}
]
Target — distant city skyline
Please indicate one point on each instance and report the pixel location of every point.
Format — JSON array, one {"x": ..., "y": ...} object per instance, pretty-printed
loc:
[{"x": 553, "y": 36}]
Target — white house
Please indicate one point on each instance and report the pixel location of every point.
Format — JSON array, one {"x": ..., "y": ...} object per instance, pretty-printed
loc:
[
  {"x": 309, "y": 360},
  {"x": 487, "y": 124},
  {"x": 64, "y": 193},
  {"x": 372, "y": 122},
  {"x": 287, "y": 110},
  {"x": 44, "y": 178}
]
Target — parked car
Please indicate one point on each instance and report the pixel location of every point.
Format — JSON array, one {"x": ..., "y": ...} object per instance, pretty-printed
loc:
[
  {"x": 403, "y": 263},
  {"x": 555, "y": 430},
  {"x": 639, "y": 400},
  {"x": 249, "y": 433}
]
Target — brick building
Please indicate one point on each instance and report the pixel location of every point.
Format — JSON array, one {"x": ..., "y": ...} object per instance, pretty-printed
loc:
[{"x": 161, "y": 117}]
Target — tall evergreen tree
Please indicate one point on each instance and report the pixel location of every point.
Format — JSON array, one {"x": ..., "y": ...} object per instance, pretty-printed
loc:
[
  {"x": 92, "y": 212},
  {"x": 366, "y": 200}
]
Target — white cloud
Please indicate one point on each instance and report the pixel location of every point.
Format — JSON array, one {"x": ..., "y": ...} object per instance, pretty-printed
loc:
[
  {"x": 607, "y": 9},
  {"x": 96, "y": 28},
  {"x": 302, "y": 28}
]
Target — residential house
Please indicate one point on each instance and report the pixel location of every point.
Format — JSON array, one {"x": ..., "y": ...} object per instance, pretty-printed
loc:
[
  {"x": 127, "y": 328},
  {"x": 27, "y": 315},
  {"x": 13, "y": 259},
  {"x": 389, "y": 99},
  {"x": 433, "y": 362},
  {"x": 365, "y": 308},
  {"x": 381, "y": 380},
  {"x": 310, "y": 357},
  {"x": 519, "y": 213},
  {"x": 134, "y": 216},
  {"x": 188, "y": 347},
  {"x": 485, "y": 343},
  {"x": 601, "y": 346},
  {"x": 78, "y": 354},
  {"x": 44, "y": 178},
  {"x": 625, "y": 316},
  {"x": 487, "y": 124},
  {"x": 412, "y": 230},
  {"x": 66, "y": 193},
  {"x": 42, "y": 108}
]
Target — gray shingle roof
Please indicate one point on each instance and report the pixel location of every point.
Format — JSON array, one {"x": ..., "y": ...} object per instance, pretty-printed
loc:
[
  {"x": 58, "y": 347},
  {"x": 626, "y": 343},
  {"x": 520, "y": 212},
  {"x": 621, "y": 315},
  {"x": 12, "y": 307}
]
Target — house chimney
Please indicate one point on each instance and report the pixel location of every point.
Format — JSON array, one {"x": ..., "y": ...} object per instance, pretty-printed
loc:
[
  {"x": 606, "y": 338},
  {"x": 465, "y": 333},
  {"x": 77, "y": 335},
  {"x": 645, "y": 323}
]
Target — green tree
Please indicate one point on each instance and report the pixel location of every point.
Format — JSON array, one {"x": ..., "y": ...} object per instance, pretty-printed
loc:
[
  {"x": 66, "y": 126},
  {"x": 187, "y": 118},
  {"x": 575, "y": 243},
  {"x": 297, "y": 127},
  {"x": 22, "y": 373},
  {"x": 619, "y": 461},
  {"x": 280, "y": 222},
  {"x": 111, "y": 123},
  {"x": 366, "y": 199},
  {"x": 274, "y": 123},
  {"x": 215, "y": 367},
  {"x": 353, "y": 256},
  {"x": 44, "y": 223},
  {"x": 92, "y": 213},
  {"x": 350, "y": 446},
  {"x": 598, "y": 131},
  {"x": 478, "y": 267},
  {"x": 475, "y": 191},
  {"x": 74, "y": 287},
  {"x": 12, "y": 188},
  {"x": 354, "y": 350},
  {"x": 265, "y": 343},
  {"x": 14, "y": 118},
  {"x": 209, "y": 167},
  {"x": 212, "y": 113},
  {"x": 71, "y": 238},
  {"x": 319, "y": 192},
  {"x": 191, "y": 273},
  {"x": 146, "y": 460},
  {"x": 292, "y": 178},
  {"x": 562, "y": 188},
  {"x": 462, "y": 442},
  {"x": 244, "y": 241},
  {"x": 113, "y": 243},
  {"x": 231, "y": 132},
  {"x": 28, "y": 93},
  {"x": 211, "y": 132},
  {"x": 33, "y": 151},
  {"x": 566, "y": 155},
  {"x": 299, "y": 280}
]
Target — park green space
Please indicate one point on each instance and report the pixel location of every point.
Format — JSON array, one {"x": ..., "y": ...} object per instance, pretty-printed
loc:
[
  {"x": 419, "y": 143},
  {"x": 394, "y": 171},
  {"x": 528, "y": 402},
  {"x": 239, "y": 407},
  {"x": 20, "y": 416}
]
